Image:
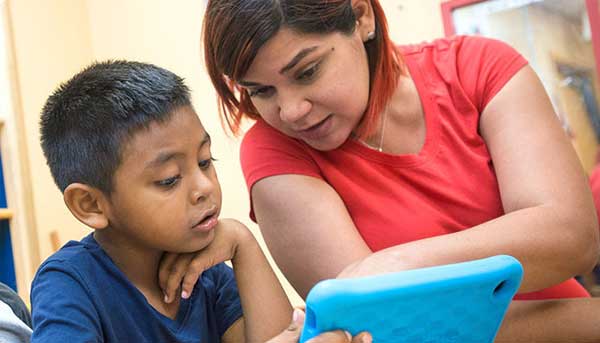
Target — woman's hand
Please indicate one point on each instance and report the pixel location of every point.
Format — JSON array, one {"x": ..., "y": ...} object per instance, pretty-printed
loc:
[
  {"x": 184, "y": 270},
  {"x": 292, "y": 334},
  {"x": 382, "y": 262}
]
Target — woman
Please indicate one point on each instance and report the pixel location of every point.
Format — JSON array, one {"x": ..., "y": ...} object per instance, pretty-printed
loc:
[{"x": 368, "y": 157}]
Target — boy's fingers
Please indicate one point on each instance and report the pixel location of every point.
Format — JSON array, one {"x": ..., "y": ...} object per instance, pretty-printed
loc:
[
  {"x": 176, "y": 273},
  {"x": 287, "y": 336},
  {"x": 164, "y": 268},
  {"x": 292, "y": 333},
  {"x": 189, "y": 280},
  {"x": 337, "y": 336},
  {"x": 363, "y": 337},
  {"x": 196, "y": 267},
  {"x": 342, "y": 337}
]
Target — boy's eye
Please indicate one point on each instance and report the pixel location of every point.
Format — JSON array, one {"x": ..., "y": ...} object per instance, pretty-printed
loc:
[
  {"x": 170, "y": 182},
  {"x": 262, "y": 92},
  {"x": 205, "y": 164}
]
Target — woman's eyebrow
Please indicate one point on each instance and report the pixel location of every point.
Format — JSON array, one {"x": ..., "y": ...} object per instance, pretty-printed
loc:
[
  {"x": 248, "y": 83},
  {"x": 299, "y": 56}
]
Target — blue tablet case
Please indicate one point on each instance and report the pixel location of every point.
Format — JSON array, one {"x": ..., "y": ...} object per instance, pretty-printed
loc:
[{"x": 462, "y": 302}]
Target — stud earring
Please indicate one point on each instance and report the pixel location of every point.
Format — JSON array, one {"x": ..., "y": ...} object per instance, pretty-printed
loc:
[{"x": 370, "y": 36}]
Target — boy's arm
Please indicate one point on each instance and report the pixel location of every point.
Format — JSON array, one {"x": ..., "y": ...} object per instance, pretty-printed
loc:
[
  {"x": 235, "y": 333},
  {"x": 266, "y": 307},
  {"x": 62, "y": 311}
]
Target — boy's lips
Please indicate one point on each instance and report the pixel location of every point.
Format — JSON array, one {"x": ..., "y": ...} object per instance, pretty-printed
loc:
[
  {"x": 206, "y": 225},
  {"x": 207, "y": 222}
]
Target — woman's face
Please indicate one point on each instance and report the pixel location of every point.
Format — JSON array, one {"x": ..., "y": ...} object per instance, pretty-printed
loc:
[{"x": 311, "y": 87}]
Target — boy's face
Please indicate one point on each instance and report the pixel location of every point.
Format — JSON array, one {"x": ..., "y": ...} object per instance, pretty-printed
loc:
[{"x": 166, "y": 194}]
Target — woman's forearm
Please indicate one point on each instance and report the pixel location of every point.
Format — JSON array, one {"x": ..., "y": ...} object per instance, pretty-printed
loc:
[
  {"x": 564, "y": 320},
  {"x": 548, "y": 247}
]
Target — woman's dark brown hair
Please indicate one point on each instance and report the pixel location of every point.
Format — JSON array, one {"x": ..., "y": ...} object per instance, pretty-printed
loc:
[{"x": 234, "y": 31}]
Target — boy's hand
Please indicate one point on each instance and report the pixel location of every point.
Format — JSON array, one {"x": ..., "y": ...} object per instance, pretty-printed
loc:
[
  {"x": 183, "y": 270},
  {"x": 292, "y": 334}
]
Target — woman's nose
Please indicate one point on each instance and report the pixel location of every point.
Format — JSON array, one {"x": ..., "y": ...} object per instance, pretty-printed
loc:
[{"x": 293, "y": 108}]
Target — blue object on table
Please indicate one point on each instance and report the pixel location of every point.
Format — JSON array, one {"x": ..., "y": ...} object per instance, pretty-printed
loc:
[{"x": 462, "y": 302}]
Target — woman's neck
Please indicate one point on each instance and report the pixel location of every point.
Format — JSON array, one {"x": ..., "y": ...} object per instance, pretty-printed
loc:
[{"x": 401, "y": 128}]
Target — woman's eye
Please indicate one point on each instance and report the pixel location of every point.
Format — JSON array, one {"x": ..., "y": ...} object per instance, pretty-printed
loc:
[
  {"x": 170, "y": 182},
  {"x": 261, "y": 92},
  {"x": 309, "y": 73},
  {"x": 205, "y": 164}
]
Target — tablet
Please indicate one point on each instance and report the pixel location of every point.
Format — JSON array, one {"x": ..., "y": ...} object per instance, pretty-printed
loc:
[{"x": 462, "y": 302}]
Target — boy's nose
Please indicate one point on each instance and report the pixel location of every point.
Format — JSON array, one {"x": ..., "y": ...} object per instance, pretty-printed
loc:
[{"x": 202, "y": 188}]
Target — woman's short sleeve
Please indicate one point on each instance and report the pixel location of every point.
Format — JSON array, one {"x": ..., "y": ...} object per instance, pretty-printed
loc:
[
  {"x": 267, "y": 152},
  {"x": 484, "y": 66}
]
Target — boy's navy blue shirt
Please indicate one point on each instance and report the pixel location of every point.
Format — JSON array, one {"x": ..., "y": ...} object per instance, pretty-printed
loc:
[{"x": 79, "y": 295}]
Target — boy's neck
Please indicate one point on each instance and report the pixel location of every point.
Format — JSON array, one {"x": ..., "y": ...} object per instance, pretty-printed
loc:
[{"x": 140, "y": 266}]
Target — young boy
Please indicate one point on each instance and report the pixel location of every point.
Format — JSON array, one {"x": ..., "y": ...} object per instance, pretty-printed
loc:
[{"x": 133, "y": 161}]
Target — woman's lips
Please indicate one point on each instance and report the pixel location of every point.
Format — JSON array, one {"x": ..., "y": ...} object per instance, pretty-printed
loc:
[{"x": 318, "y": 130}]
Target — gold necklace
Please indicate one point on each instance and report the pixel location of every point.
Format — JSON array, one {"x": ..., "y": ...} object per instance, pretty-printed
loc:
[{"x": 380, "y": 147}]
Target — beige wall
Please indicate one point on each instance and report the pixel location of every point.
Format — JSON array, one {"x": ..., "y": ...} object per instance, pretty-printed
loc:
[
  {"x": 53, "y": 39},
  {"x": 413, "y": 21}
]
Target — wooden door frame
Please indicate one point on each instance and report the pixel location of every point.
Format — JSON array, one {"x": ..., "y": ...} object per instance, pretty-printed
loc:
[{"x": 16, "y": 170}]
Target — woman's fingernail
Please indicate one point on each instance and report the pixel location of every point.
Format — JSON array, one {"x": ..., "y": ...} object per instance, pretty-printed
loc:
[
  {"x": 348, "y": 335},
  {"x": 366, "y": 339},
  {"x": 166, "y": 298},
  {"x": 295, "y": 315},
  {"x": 185, "y": 295}
]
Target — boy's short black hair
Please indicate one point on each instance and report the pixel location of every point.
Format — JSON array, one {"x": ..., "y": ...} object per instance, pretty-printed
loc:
[{"x": 88, "y": 119}]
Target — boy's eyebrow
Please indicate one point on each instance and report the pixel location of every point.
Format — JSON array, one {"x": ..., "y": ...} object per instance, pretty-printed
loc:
[
  {"x": 166, "y": 156},
  {"x": 162, "y": 158},
  {"x": 205, "y": 139},
  {"x": 299, "y": 56}
]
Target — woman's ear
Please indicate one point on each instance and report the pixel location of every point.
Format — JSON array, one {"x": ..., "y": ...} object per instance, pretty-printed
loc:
[
  {"x": 88, "y": 204},
  {"x": 365, "y": 19}
]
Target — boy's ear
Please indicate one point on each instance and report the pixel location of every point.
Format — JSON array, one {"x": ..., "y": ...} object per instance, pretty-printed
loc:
[{"x": 88, "y": 204}]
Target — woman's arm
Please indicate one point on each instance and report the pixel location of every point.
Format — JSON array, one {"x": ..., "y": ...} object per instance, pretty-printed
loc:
[
  {"x": 557, "y": 320},
  {"x": 543, "y": 187},
  {"x": 307, "y": 229}
]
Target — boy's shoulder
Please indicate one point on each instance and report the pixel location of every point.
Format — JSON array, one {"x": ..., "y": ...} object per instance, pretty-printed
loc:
[
  {"x": 79, "y": 267},
  {"x": 75, "y": 255}
]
